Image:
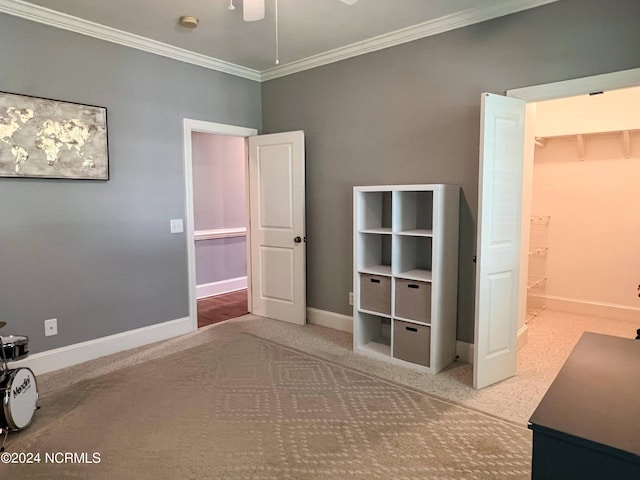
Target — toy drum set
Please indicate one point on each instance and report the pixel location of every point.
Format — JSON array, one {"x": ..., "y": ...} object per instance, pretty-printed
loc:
[{"x": 18, "y": 386}]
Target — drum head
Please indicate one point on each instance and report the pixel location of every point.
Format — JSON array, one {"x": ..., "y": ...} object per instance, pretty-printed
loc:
[
  {"x": 14, "y": 339},
  {"x": 20, "y": 400}
]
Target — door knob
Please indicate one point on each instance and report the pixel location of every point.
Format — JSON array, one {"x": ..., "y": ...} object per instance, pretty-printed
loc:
[{"x": 297, "y": 239}]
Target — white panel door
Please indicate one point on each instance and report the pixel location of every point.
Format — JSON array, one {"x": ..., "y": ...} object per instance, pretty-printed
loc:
[
  {"x": 277, "y": 229},
  {"x": 498, "y": 242}
]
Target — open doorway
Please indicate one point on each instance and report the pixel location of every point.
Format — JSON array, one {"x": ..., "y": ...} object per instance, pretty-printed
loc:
[
  {"x": 220, "y": 226},
  {"x": 275, "y": 208},
  {"x": 504, "y": 130},
  {"x": 191, "y": 127},
  {"x": 585, "y": 178},
  {"x": 582, "y": 253}
]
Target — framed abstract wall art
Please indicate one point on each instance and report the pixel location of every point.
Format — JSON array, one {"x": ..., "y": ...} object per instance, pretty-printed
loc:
[{"x": 43, "y": 138}]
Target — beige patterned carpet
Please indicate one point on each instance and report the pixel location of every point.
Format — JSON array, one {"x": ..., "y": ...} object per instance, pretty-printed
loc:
[{"x": 248, "y": 408}]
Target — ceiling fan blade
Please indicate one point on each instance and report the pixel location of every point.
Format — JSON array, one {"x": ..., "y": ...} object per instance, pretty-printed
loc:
[{"x": 349, "y": 2}]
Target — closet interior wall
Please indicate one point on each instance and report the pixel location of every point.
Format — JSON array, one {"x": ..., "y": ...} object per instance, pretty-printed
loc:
[{"x": 584, "y": 229}]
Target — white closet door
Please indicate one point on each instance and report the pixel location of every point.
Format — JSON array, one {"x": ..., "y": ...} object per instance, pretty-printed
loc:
[
  {"x": 277, "y": 205},
  {"x": 498, "y": 241}
]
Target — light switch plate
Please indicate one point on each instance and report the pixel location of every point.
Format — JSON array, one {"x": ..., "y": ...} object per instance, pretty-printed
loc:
[{"x": 176, "y": 225}]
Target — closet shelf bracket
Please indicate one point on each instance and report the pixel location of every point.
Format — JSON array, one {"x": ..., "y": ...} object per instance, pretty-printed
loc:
[
  {"x": 541, "y": 142},
  {"x": 626, "y": 143},
  {"x": 580, "y": 139}
]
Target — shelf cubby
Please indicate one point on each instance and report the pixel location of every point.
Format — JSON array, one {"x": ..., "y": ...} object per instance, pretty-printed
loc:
[
  {"x": 414, "y": 213},
  {"x": 374, "y": 256},
  {"x": 375, "y": 216},
  {"x": 374, "y": 334},
  {"x": 413, "y": 258}
]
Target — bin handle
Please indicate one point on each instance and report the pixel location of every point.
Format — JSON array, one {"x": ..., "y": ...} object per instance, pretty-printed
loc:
[
  {"x": 411, "y": 329},
  {"x": 375, "y": 280},
  {"x": 413, "y": 285}
]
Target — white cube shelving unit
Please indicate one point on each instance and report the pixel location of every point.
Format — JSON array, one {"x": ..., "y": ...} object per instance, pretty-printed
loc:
[{"x": 405, "y": 251}]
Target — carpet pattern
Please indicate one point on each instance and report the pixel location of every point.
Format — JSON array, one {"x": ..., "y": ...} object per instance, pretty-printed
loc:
[{"x": 247, "y": 408}]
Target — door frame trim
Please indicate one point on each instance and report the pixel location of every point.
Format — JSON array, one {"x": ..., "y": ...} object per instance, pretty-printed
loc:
[
  {"x": 578, "y": 86},
  {"x": 190, "y": 126}
]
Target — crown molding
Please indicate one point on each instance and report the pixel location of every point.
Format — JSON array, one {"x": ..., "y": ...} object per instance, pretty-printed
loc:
[
  {"x": 52, "y": 18},
  {"x": 471, "y": 16},
  {"x": 405, "y": 35}
]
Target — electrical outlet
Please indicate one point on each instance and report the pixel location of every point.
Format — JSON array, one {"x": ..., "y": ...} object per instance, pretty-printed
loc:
[
  {"x": 176, "y": 225},
  {"x": 350, "y": 298},
  {"x": 50, "y": 327}
]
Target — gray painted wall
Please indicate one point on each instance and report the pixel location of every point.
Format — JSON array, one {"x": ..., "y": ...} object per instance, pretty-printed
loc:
[
  {"x": 98, "y": 255},
  {"x": 219, "y": 201},
  {"x": 410, "y": 114}
]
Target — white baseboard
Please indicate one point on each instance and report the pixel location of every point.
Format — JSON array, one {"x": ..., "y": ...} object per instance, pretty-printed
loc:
[
  {"x": 70, "y": 355},
  {"x": 327, "y": 319},
  {"x": 523, "y": 336},
  {"x": 586, "y": 307},
  {"x": 464, "y": 351},
  {"x": 223, "y": 286}
]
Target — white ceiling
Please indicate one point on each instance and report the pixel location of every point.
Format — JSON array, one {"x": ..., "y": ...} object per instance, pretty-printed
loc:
[{"x": 311, "y": 32}]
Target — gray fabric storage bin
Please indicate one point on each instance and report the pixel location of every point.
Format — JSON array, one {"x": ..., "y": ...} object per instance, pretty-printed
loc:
[
  {"x": 412, "y": 342},
  {"x": 375, "y": 293},
  {"x": 413, "y": 300}
]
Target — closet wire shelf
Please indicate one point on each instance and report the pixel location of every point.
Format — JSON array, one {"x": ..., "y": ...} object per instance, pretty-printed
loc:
[{"x": 538, "y": 252}]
